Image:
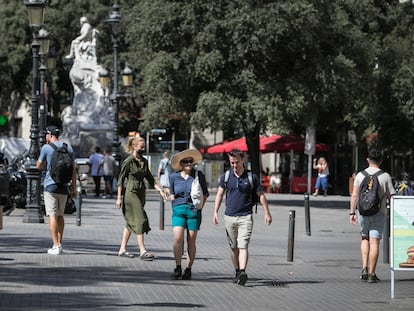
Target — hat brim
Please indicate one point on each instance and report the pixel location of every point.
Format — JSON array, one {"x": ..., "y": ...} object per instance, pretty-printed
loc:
[{"x": 189, "y": 153}]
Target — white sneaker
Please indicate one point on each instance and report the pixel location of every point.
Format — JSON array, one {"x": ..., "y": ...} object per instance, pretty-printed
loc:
[
  {"x": 55, "y": 250},
  {"x": 60, "y": 248}
]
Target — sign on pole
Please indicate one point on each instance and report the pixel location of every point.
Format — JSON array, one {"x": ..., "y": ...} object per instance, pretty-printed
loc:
[
  {"x": 401, "y": 235},
  {"x": 310, "y": 141}
]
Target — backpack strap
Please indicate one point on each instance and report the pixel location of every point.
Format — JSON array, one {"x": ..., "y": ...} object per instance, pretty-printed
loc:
[
  {"x": 226, "y": 179},
  {"x": 378, "y": 173},
  {"x": 53, "y": 146}
]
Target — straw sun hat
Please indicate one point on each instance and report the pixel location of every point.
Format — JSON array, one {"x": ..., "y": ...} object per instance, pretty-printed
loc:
[{"x": 189, "y": 153}]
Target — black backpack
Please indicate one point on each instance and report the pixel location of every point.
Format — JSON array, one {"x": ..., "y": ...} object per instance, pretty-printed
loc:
[
  {"x": 61, "y": 164},
  {"x": 369, "y": 202},
  {"x": 253, "y": 194}
]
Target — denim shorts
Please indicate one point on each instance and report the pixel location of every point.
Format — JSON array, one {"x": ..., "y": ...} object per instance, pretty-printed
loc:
[
  {"x": 372, "y": 226},
  {"x": 187, "y": 217},
  {"x": 321, "y": 183},
  {"x": 239, "y": 230}
]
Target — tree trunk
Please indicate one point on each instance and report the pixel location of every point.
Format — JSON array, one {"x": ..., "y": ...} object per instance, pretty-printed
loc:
[{"x": 253, "y": 146}]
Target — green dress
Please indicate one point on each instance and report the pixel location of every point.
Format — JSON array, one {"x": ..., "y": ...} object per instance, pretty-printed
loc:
[{"x": 133, "y": 172}]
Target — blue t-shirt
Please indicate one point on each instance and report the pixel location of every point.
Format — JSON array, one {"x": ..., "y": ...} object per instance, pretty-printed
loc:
[
  {"x": 181, "y": 188},
  {"x": 46, "y": 152},
  {"x": 95, "y": 163},
  {"x": 238, "y": 196}
]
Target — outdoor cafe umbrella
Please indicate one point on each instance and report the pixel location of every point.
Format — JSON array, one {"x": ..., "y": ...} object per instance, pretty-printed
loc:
[{"x": 239, "y": 143}]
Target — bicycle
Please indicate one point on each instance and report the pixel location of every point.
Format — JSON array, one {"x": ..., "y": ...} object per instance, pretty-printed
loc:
[{"x": 404, "y": 186}]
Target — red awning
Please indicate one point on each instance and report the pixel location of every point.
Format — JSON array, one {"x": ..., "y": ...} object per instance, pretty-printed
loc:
[
  {"x": 239, "y": 143},
  {"x": 274, "y": 143},
  {"x": 292, "y": 142}
]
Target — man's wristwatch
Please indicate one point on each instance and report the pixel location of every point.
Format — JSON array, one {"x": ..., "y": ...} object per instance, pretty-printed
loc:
[{"x": 351, "y": 214}]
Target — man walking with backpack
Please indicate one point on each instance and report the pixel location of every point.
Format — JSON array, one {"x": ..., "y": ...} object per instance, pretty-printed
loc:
[
  {"x": 372, "y": 189},
  {"x": 238, "y": 218},
  {"x": 59, "y": 171}
]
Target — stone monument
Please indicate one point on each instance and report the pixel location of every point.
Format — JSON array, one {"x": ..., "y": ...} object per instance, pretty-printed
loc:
[{"x": 88, "y": 122}]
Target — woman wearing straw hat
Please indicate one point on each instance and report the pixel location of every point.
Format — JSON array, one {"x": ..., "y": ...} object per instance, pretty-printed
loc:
[{"x": 185, "y": 217}]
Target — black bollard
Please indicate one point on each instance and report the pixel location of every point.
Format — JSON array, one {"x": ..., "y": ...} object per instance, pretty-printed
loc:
[
  {"x": 291, "y": 235},
  {"x": 307, "y": 214},
  {"x": 162, "y": 209}
]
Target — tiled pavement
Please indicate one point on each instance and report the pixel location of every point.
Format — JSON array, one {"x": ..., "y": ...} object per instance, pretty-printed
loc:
[{"x": 324, "y": 273}]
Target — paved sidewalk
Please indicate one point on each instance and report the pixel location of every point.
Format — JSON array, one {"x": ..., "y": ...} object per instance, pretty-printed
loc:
[{"x": 324, "y": 274}]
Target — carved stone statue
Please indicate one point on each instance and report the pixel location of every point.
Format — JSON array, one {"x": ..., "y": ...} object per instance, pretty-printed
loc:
[
  {"x": 89, "y": 120},
  {"x": 83, "y": 47}
]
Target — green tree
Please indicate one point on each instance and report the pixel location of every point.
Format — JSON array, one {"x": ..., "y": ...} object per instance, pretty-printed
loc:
[{"x": 254, "y": 65}]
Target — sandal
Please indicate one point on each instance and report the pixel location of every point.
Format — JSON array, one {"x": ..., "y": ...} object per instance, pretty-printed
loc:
[
  {"x": 126, "y": 255},
  {"x": 147, "y": 256}
]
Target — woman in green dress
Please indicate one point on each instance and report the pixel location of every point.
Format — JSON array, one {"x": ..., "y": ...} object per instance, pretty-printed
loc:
[{"x": 133, "y": 171}]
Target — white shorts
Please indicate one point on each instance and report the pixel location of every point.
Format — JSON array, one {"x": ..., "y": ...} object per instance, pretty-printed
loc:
[
  {"x": 239, "y": 230},
  {"x": 55, "y": 203}
]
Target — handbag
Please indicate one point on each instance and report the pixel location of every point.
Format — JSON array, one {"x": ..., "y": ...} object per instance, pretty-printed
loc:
[{"x": 196, "y": 192}]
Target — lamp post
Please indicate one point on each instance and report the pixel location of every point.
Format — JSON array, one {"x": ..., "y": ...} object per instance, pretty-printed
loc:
[
  {"x": 43, "y": 52},
  {"x": 33, "y": 214},
  {"x": 114, "y": 21}
]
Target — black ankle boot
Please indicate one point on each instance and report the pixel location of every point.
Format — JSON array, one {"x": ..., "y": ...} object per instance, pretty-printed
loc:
[
  {"x": 176, "y": 274},
  {"x": 187, "y": 274}
]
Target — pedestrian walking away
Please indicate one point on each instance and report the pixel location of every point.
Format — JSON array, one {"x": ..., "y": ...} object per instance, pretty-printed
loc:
[
  {"x": 107, "y": 164},
  {"x": 185, "y": 216},
  {"x": 95, "y": 163},
  {"x": 371, "y": 226},
  {"x": 238, "y": 218},
  {"x": 55, "y": 195},
  {"x": 131, "y": 198},
  {"x": 322, "y": 179},
  {"x": 164, "y": 172}
]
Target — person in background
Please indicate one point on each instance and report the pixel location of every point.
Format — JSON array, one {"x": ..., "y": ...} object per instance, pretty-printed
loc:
[
  {"x": 132, "y": 186},
  {"x": 371, "y": 227},
  {"x": 185, "y": 217},
  {"x": 55, "y": 195},
  {"x": 107, "y": 164},
  {"x": 322, "y": 179},
  {"x": 238, "y": 218},
  {"x": 95, "y": 163},
  {"x": 164, "y": 170}
]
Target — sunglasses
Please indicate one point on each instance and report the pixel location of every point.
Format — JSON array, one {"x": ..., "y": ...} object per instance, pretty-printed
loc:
[{"x": 186, "y": 161}]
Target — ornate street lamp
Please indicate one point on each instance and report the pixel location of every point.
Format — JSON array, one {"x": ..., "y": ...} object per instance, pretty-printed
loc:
[
  {"x": 33, "y": 214},
  {"x": 114, "y": 21},
  {"x": 44, "y": 39}
]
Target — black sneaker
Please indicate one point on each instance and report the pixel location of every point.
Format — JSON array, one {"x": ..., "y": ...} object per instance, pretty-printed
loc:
[
  {"x": 187, "y": 274},
  {"x": 176, "y": 275},
  {"x": 372, "y": 278},
  {"x": 364, "y": 274},
  {"x": 242, "y": 279}
]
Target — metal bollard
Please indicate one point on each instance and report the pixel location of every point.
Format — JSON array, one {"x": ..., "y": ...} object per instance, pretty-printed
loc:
[
  {"x": 291, "y": 235},
  {"x": 78, "y": 203},
  {"x": 78, "y": 211},
  {"x": 162, "y": 212},
  {"x": 307, "y": 214}
]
